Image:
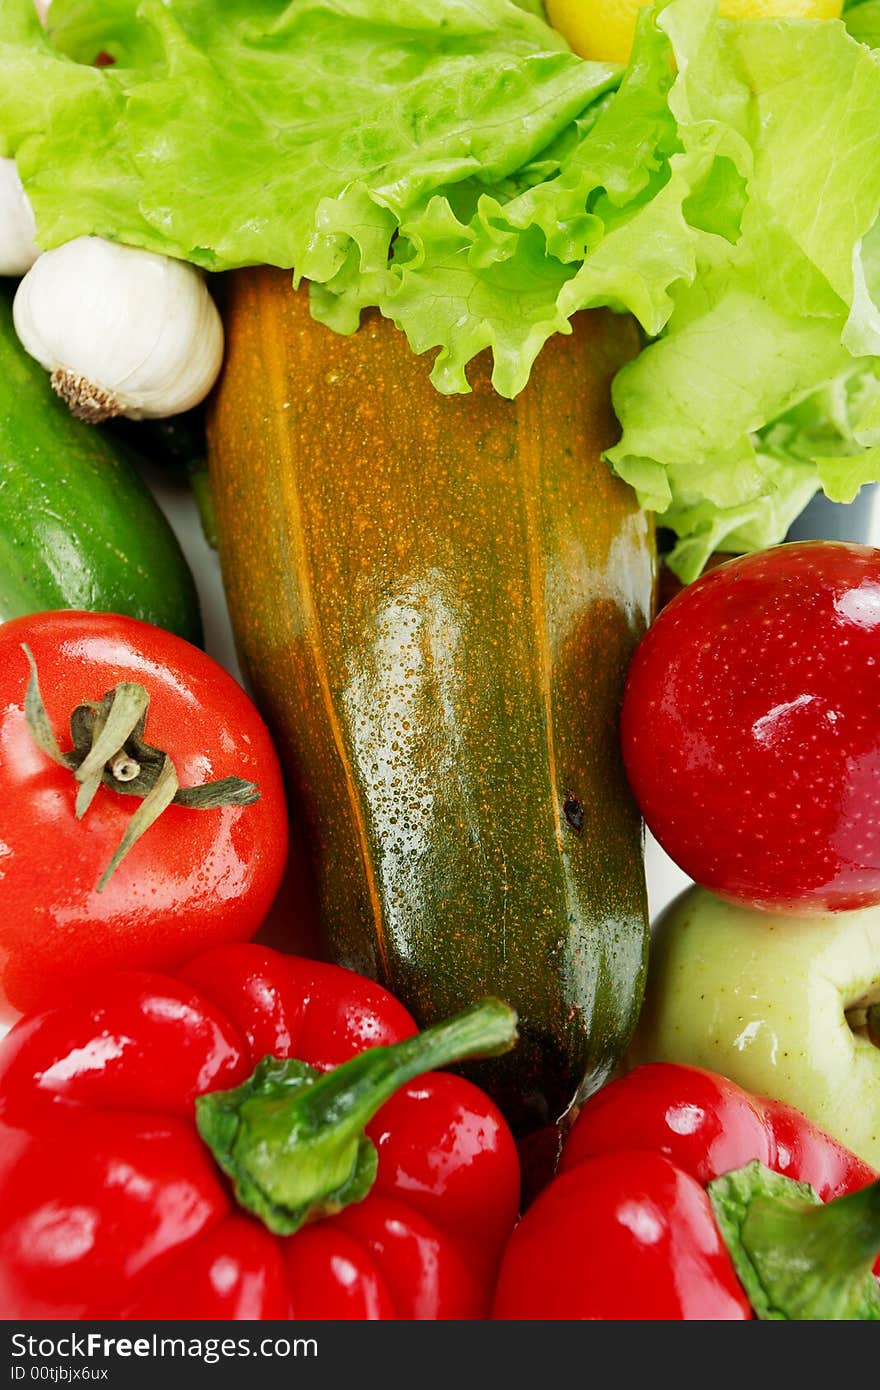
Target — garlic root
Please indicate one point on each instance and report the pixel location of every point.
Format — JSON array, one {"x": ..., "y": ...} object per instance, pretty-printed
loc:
[{"x": 85, "y": 401}]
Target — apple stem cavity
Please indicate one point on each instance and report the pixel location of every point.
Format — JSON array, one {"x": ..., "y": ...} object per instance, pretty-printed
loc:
[
  {"x": 798, "y": 1258},
  {"x": 864, "y": 1020}
]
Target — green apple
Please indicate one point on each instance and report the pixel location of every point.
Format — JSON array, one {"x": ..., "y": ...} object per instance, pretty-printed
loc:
[{"x": 781, "y": 1005}]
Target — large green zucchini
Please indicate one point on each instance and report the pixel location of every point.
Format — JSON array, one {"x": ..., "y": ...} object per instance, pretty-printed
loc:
[
  {"x": 435, "y": 599},
  {"x": 78, "y": 527}
]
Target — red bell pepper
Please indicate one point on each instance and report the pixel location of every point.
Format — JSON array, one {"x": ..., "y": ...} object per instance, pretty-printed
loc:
[
  {"x": 679, "y": 1196},
  {"x": 111, "y": 1205}
]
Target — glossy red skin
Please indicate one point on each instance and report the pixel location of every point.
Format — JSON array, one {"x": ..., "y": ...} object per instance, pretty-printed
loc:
[
  {"x": 707, "y": 1126},
  {"x": 626, "y": 1230},
  {"x": 195, "y": 879},
  {"x": 111, "y": 1206},
  {"x": 750, "y": 730},
  {"x": 625, "y": 1236}
]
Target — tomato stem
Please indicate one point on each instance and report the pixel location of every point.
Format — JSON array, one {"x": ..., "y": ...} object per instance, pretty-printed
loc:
[
  {"x": 124, "y": 769},
  {"x": 109, "y": 747}
]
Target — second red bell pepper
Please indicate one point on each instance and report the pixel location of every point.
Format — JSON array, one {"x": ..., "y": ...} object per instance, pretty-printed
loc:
[
  {"x": 680, "y": 1196},
  {"x": 371, "y": 1191}
]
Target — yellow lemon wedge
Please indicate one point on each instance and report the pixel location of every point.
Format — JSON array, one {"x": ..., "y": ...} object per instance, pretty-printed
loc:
[{"x": 603, "y": 29}]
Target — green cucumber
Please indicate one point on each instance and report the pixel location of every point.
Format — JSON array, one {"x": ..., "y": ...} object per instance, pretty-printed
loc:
[{"x": 78, "y": 526}]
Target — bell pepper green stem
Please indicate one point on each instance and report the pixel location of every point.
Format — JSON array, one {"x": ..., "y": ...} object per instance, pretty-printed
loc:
[
  {"x": 799, "y": 1258},
  {"x": 293, "y": 1140}
]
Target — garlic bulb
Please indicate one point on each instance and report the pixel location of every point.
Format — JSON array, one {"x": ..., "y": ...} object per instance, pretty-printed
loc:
[
  {"x": 122, "y": 331},
  {"x": 18, "y": 250}
]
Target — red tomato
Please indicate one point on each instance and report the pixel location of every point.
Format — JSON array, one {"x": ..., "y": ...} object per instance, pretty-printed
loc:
[
  {"x": 751, "y": 728},
  {"x": 196, "y": 878}
]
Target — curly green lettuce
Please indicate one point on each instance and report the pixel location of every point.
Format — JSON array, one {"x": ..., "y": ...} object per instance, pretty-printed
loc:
[{"x": 453, "y": 164}]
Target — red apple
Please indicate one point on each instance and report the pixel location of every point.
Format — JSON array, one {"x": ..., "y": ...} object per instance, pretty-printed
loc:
[{"x": 751, "y": 728}]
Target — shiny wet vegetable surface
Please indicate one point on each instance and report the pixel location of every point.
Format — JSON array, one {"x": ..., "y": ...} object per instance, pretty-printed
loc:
[
  {"x": 111, "y": 1206},
  {"x": 436, "y": 598},
  {"x": 194, "y": 879},
  {"x": 750, "y": 728}
]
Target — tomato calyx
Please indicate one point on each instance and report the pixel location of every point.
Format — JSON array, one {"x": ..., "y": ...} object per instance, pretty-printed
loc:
[{"x": 109, "y": 747}]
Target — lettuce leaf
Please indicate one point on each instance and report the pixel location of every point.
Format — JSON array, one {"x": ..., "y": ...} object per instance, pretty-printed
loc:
[
  {"x": 863, "y": 22},
  {"x": 456, "y": 166}
]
